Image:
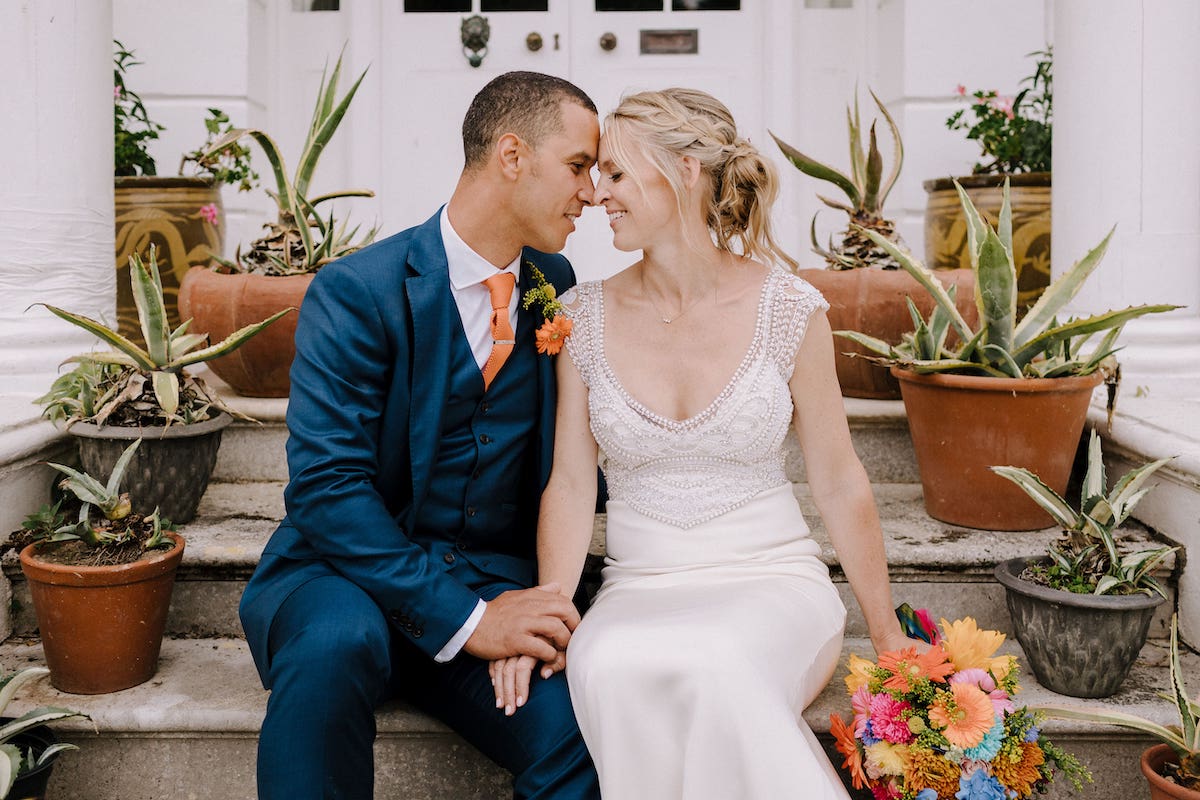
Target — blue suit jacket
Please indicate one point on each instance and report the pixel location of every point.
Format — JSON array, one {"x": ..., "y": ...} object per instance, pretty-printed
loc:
[{"x": 369, "y": 383}]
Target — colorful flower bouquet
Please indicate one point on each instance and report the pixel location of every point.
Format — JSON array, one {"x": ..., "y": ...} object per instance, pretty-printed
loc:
[{"x": 942, "y": 724}]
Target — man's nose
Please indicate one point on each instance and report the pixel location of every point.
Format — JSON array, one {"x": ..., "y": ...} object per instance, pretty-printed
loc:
[{"x": 587, "y": 191}]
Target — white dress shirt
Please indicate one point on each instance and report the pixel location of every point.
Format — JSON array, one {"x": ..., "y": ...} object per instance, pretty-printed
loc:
[{"x": 468, "y": 270}]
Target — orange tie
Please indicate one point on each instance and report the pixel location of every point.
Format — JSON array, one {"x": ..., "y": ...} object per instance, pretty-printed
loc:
[{"x": 501, "y": 286}]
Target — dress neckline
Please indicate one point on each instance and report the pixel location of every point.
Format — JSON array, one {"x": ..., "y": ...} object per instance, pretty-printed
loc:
[{"x": 689, "y": 422}]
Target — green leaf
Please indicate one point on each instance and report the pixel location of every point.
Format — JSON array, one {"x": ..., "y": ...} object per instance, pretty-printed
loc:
[
  {"x": 1004, "y": 231},
  {"x": 270, "y": 149},
  {"x": 324, "y": 198},
  {"x": 1029, "y": 349},
  {"x": 183, "y": 344},
  {"x": 874, "y": 174},
  {"x": 1043, "y": 495},
  {"x": 977, "y": 227},
  {"x": 819, "y": 171},
  {"x": 15, "y": 681},
  {"x": 53, "y": 750},
  {"x": 897, "y": 151},
  {"x": 82, "y": 485},
  {"x": 166, "y": 391},
  {"x": 1060, "y": 292},
  {"x": 996, "y": 292},
  {"x": 317, "y": 141},
  {"x": 139, "y": 356},
  {"x": 152, "y": 311},
  {"x": 34, "y": 718},
  {"x": 118, "y": 472},
  {"x": 10, "y": 765},
  {"x": 1187, "y": 720},
  {"x": 1094, "y": 482},
  {"x": 230, "y": 342},
  {"x": 1000, "y": 358},
  {"x": 869, "y": 342},
  {"x": 1118, "y": 718},
  {"x": 1128, "y": 490}
]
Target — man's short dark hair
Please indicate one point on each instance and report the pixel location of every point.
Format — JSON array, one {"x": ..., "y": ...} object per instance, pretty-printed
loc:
[{"x": 524, "y": 103}]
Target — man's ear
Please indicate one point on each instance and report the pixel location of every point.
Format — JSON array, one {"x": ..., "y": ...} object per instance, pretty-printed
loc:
[
  {"x": 689, "y": 169},
  {"x": 509, "y": 151}
]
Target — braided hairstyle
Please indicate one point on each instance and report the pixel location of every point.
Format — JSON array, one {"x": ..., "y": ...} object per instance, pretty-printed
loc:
[{"x": 742, "y": 183}]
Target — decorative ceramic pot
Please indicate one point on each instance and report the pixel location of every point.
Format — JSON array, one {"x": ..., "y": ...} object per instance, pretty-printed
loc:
[
  {"x": 102, "y": 627},
  {"x": 1152, "y": 763},
  {"x": 169, "y": 470},
  {"x": 1082, "y": 645},
  {"x": 165, "y": 212},
  {"x": 872, "y": 301},
  {"x": 963, "y": 424},
  {"x": 221, "y": 303},
  {"x": 946, "y": 227}
]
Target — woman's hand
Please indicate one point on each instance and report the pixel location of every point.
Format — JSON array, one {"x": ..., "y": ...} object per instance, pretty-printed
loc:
[
  {"x": 511, "y": 677},
  {"x": 896, "y": 640}
]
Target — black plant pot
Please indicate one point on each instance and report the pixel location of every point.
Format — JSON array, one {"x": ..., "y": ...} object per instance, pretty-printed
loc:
[
  {"x": 1082, "y": 645},
  {"x": 169, "y": 471},
  {"x": 32, "y": 785}
]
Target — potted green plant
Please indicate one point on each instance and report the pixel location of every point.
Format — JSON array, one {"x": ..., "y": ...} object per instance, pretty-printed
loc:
[
  {"x": 1171, "y": 767},
  {"x": 133, "y": 392},
  {"x": 1005, "y": 392},
  {"x": 1014, "y": 137},
  {"x": 28, "y": 748},
  {"x": 182, "y": 215},
  {"x": 863, "y": 283},
  {"x": 101, "y": 585},
  {"x": 277, "y": 268},
  {"x": 1082, "y": 611}
]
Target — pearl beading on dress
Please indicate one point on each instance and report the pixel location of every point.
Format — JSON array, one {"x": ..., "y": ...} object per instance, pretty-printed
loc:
[{"x": 685, "y": 472}]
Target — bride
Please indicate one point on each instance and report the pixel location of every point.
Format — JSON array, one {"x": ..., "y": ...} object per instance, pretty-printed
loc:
[{"x": 716, "y": 622}]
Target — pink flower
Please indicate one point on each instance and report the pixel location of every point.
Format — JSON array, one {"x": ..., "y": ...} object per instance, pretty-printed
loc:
[
  {"x": 960, "y": 90},
  {"x": 210, "y": 213},
  {"x": 886, "y": 720},
  {"x": 116, "y": 91},
  {"x": 982, "y": 679},
  {"x": 1004, "y": 104},
  {"x": 860, "y": 702},
  {"x": 886, "y": 791}
]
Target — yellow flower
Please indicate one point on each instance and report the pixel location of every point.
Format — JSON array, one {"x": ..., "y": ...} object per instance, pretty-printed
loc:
[
  {"x": 860, "y": 673},
  {"x": 885, "y": 758},
  {"x": 1020, "y": 774},
  {"x": 969, "y": 647}
]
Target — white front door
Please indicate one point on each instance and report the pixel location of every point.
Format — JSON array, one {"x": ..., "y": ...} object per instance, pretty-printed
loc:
[{"x": 607, "y": 47}]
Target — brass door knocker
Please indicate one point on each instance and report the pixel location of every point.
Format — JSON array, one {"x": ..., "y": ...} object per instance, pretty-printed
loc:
[{"x": 475, "y": 33}]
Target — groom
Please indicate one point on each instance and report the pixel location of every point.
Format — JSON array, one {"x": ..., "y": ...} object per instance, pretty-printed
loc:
[{"x": 421, "y": 425}]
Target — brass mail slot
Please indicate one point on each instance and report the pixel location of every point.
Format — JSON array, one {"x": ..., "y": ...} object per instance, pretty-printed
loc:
[{"x": 670, "y": 42}]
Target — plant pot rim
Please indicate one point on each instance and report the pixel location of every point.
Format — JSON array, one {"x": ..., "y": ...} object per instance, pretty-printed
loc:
[
  {"x": 1152, "y": 760},
  {"x": 144, "y": 568},
  {"x": 987, "y": 181},
  {"x": 89, "y": 430},
  {"x": 161, "y": 182},
  {"x": 987, "y": 383},
  {"x": 297, "y": 276},
  {"x": 1008, "y": 573}
]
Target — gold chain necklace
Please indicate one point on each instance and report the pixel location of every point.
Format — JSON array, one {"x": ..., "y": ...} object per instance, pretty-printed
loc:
[{"x": 654, "y": 305}]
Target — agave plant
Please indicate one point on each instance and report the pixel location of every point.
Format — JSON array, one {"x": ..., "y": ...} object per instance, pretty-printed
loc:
[
  {"x": 865, "y": 189},
  {"x": 13, "y": 761},
  {"x": 151, "y": 382},
  {"x": 1085, "y": 558},
  {"x": 290, "y": 247},
  {"x": 1037, "y": 346},
  {"x": 1183, "y": 739}
]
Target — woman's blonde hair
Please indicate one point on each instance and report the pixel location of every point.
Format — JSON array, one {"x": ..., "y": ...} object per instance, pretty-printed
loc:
[{"x": 671, "y": 123}]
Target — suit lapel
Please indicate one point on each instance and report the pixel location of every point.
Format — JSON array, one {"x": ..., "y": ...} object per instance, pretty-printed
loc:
[
  {"x": 546, "y": 387},
  {"x": 434, "y": 316}
]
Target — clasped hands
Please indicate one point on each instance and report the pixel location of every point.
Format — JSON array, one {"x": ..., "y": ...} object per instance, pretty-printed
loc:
[{"x": 519, "y": 629}]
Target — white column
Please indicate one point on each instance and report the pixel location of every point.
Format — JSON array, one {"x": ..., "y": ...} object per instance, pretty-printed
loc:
[
  {"x": 56, "y": 195},
  {"x": 1125, "y": 114}
]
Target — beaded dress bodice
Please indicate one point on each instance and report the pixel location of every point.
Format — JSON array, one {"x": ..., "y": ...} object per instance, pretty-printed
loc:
[{"x": 685, "y": 472}]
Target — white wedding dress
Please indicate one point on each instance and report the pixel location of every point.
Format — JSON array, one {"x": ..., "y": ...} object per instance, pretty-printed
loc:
[{"x": 716, "y": 623}]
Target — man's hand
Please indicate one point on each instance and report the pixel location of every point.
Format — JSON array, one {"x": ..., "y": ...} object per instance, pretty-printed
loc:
[{"x": 535, "y": 622}]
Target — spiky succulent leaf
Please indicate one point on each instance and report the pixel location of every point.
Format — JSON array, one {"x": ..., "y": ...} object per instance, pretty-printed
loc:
[
  {"x": 12, "y": 683},
  {"x": 1059, "y": 293},
  {"x": 139, "y": 356},
  {"x": 977, "y": 227},
  {"x": 324, "y": 198},
  {"x": 869, "y": 342},
  {"x": 873, "y": 175},
  {"x": 328, "y": 125},
  {"x": 1128, "y": 490},
  {"x": 816, "y": 169},
  {"x": 52, "y": 751},
  {"x": 897, "y": 151},
  {"x": 151, "y": 309},
  {"x": 118, "y": 472},
  {"x": 10, "y": 765},
  {"x": 1043, "y": 495},
  {"x": 1189, "y": 723},
  {"x": 230, "y": 342},
  {"x": 1031, "y": 348},
  {"x": 996, "y": 292},
  {"x": 1004, "y": 229},
  {"x": 1118, "y": 718},
  {"x": 1095, "y": 484},
  {"x": 269, "y": 148},
  {"x": 166, "y": 391}
]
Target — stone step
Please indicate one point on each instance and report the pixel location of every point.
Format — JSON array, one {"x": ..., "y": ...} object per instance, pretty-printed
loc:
[
  {"x": 191, "y": 731},
  {"x": 254, "y": 451},
  {"x": 933, "y": 565}
]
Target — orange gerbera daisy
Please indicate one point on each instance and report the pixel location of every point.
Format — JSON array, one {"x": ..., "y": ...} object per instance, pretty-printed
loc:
[
  {"x": 964, "y": 715},
  {"x": 1020, "y": 774},
  {"x": 552, "y": 334},
  {"x": 847, "y": 745},
  {"x": 930, "y": 770},
  {"x": 971, "y": 648},
  {"x": 908, "y": 666}
]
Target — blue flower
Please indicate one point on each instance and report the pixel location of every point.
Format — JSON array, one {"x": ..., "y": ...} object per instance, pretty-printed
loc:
[
  {"x": 869, "y": 738},
  {"x": 927, "y": 794},
  {"x": 990, "y": 746},
  {"x": 1033, "y": 734},
  {"x": 979, "y": 786}
]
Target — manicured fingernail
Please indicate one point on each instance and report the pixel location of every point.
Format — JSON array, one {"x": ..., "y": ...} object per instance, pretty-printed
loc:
[
  {"x": 508, "y": 710},
  {"x": 499, "y": 702},
  {"x": 547, "y": 672},
  {"x": 520, "y": 701}
]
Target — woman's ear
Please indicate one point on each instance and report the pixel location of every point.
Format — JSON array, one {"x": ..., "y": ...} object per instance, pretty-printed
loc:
[
  {"x": 508, "y": 154},
  {"x": 689, "y": 169}
]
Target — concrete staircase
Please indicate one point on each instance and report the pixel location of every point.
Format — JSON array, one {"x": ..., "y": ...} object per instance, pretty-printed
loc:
[{"x": 191, "y": 731}]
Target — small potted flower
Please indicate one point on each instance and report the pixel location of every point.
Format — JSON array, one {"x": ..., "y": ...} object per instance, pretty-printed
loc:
[
  {"x": 180, "y": 215},
  {"x": 1172, "y": 767},
  {"x": 1014, "y": 137},
  {"x": 1082, "y": 611},
  {"x": 863, "y": 283},
  {"x": 101, "y": 584}
]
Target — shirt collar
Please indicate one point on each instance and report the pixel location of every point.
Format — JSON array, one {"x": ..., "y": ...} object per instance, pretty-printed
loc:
[{"x": 466, "y": 266}]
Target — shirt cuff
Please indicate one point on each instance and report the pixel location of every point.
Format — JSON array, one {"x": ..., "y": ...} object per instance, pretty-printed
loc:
[{"x": 459, "y": 639}]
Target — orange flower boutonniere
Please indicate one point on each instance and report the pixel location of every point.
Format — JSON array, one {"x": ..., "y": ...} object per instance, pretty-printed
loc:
[{"x": 554, "y": 331}]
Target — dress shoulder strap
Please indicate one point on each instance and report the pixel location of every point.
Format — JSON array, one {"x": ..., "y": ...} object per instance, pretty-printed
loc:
[
  {"x": 581, "y": 304},
  {"x": 792, "y": 302}
]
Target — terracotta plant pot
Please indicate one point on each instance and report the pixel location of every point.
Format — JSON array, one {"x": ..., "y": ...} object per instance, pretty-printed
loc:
[
  {"x": 963, "y": 424},
  {"x": 102, "y": 627},
  {"x": 220, "y": 304},
  {"x": 1082, "y": 645},
  {"x": 170, "y": 469},
  {"x": 946, "y": 227},
  {"x": 1152, "y": 763},
  {"x": 872, "y": 301},
  {"x": 164, "y": 212}
]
